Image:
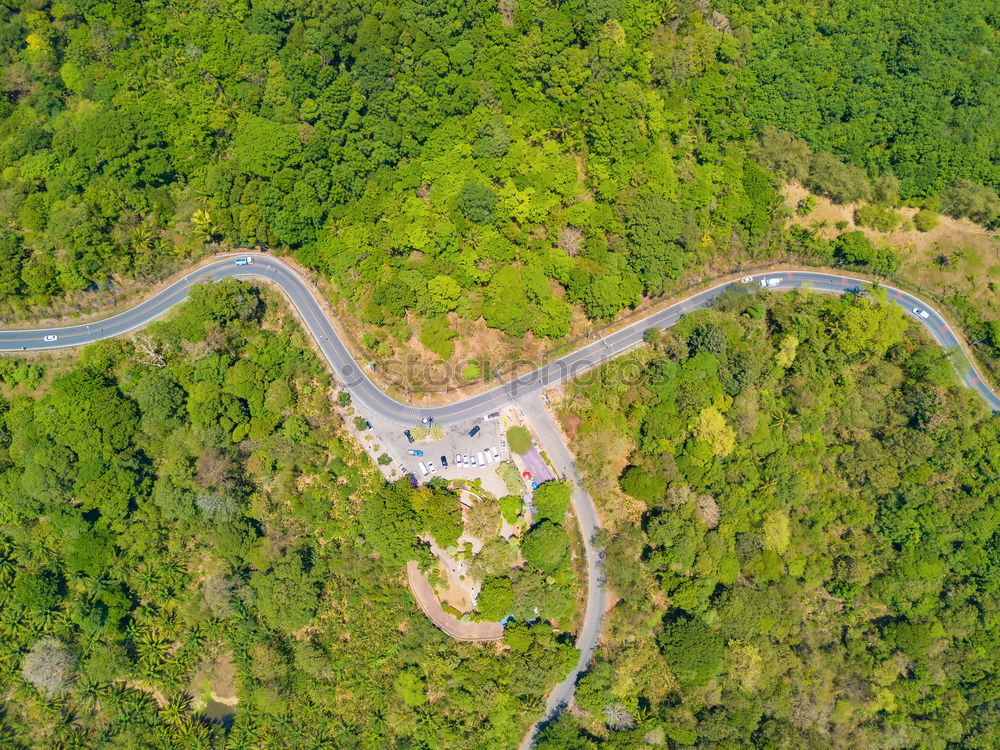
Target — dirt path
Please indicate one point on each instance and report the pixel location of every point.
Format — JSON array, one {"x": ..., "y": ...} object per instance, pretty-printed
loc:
[{"x": 462, "y": 631}]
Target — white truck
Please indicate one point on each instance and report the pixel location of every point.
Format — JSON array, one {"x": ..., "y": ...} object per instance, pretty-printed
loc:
[
  {"x": 423, "y": 469},
  {"x": 773, "y": 281},
  {"x": 244, "y": 261}
]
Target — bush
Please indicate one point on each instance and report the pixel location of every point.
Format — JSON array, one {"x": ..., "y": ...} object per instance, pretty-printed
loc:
[
  {"x": 926, "y": 220},
  {"x": 692, "y": 649},
  {"x": 496, "y": 598},
  {"x": 882, "y": 218},
  {"x": 546, "y": 547},
  {"x": 510, "y": 507},
  {"x": 806, "y": 206},
  {"x": 551, "y": 500},
  {"x": 437, "y": 336},
  {"x": 510, "y": 476},
  {"x": 471, "y": 371},
  {"x": 642, "y": 485},
  {"x": 842, "y": 183},
  {"x": 519, "y": 439},
  {"x": 965, "y": 198},
  {"x": 478, "y": 202},
  {"x": 384, "y": 460},
  {"x": 344, "y": 398},
  {"x": 360, "y": 424}
]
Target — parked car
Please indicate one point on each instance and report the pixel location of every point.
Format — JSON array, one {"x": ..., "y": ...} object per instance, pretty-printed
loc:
[
  {"x": 444, "y": 462},
  {"x": 458, "y": 459},
  {"x": 409, "y": 437},
  {"x": 414, "y": 452},
  {"x": 368, "y": 425},
  {"x": 923, "y": 314},
  {"x": 474, "y": 431},
  {"x": 430, "y": 467},
  {"x": 496, "y": 454},
  {"x": 51, "y": 337},
  {"x": 465, "y": 459},
  {"x": 423, "y": 468},
  {"x": 472, "y": 460}
]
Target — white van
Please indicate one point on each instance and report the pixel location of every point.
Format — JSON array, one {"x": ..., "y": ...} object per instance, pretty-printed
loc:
[
  {"x": 423, "y": 469},
  {"x": 482, "y": 460}
]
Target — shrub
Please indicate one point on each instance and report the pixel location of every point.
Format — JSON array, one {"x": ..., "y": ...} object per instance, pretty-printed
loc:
[
  {"x": 496, "y": 598},
  {"x": 510, "y": 476},
  {"x": 842, "y": 183},
  {"x": 510, "y": 507},
  {"x": 551, "y": 500},
  {"x": 692, "y": 649},
  {"x": 806, "y": 206},
  {"x": 471, "y": 371},
  {"x": 437, "y": 336},
  {"x": 546, "y": 547},
  {"x": 882, "y": 218},
  {"x": 477, "y": 201},
  {"x": 519, "y": 439},
  {"x": 926, "y": 220}
]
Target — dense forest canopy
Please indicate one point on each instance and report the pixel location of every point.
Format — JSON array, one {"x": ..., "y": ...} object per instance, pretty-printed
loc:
[
  {"x": 891, "y": 87},
  {"x": 513, "y": 161},
  {"x": 802, "y": 533},
  {"x": 184, "y": 515}
]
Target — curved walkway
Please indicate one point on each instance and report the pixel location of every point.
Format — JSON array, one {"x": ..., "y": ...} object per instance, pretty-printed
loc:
[
  {"x": 428, "y": 602},
  {"x": 312, "y": 312}
]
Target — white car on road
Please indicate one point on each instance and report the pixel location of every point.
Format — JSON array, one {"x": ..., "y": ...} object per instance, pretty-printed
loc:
[
  {"x": 923, "y": 314},
  {"x": 51, "y": 337}
]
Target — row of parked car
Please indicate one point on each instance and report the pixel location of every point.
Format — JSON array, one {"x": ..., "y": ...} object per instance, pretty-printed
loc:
[{"x": 484, "y": 457}]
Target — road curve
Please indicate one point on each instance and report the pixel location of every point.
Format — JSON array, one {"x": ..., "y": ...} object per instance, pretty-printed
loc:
[{"x": 368, "y": 397}]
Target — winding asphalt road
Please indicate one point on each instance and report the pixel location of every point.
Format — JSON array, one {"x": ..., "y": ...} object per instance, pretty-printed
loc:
[{"x": 368, "y": 397}]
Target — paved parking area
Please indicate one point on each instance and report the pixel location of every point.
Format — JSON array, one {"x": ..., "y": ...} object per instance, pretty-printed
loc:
[{"x": 385, "y": 437}]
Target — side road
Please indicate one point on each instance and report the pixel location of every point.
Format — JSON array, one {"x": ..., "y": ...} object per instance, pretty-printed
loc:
[{"x": 551, "y": 439}]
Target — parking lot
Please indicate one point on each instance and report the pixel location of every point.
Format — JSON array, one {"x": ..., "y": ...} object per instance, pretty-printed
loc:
[{"x": 486, "y": 448}]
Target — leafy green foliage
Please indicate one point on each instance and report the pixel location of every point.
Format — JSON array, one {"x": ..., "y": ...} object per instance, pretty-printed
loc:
[
  {"x": 854, "y": 503},
  {"x": 496, "y": 598},
  {"x": 141, "y": 544},
  {"x": 545, "y": 547},
  {"x": 551, "y": 500}
]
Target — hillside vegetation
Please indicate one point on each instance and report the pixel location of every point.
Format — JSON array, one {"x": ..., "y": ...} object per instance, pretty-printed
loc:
[
  {"x": 802, "y": 535},
  {"x": 523, "y": 164},
  {"x": 186, "y": 502}
]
